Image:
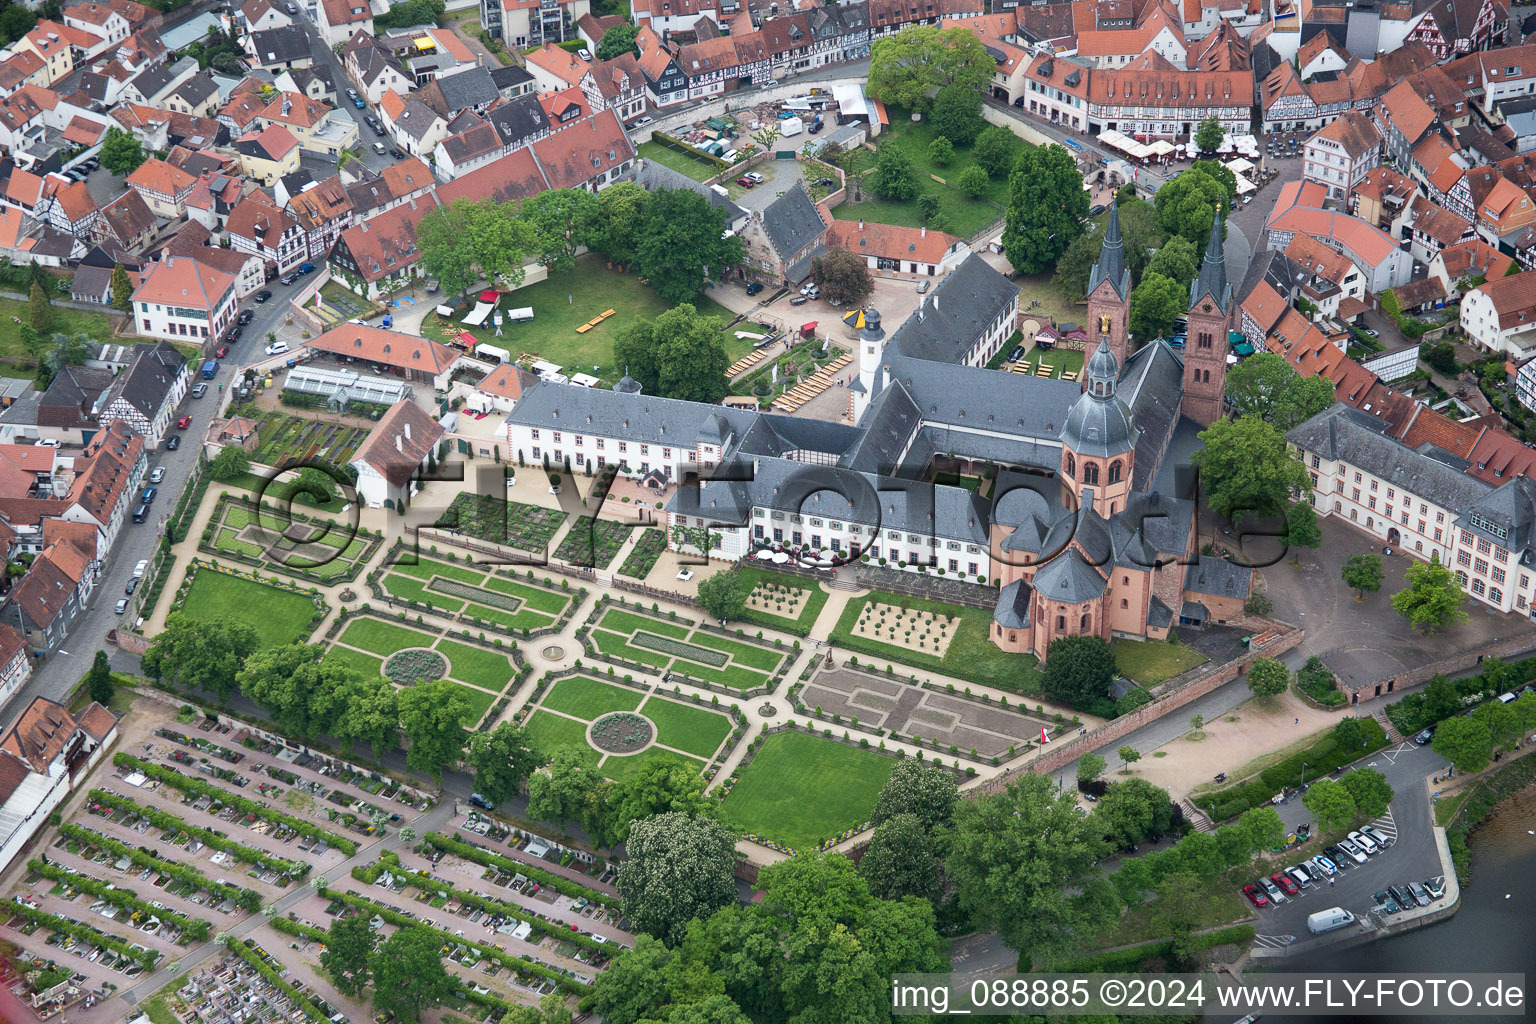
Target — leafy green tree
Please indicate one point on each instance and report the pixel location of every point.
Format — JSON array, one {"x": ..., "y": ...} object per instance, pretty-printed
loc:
[
  {"x": 941, "y": 151},
  {"x": 1178, "y": 260},
  {"x": 98, "y": 681},
  {"x": 1465, "y": 742},
  {"x": 1268, "y": 677},
  {"x": 635, "y": 985},
  {"x": 894, "y": 177},
  {"x": 1129, "y": 754},
  {"x": 370, "y": 715},
  {"x": 39, "y": 310},
  {"x": 1141, "y": 235},
  {"x": 621, "y": 214},
  {"x": 906, "y": 67},
  {"x": 928, "y": 206},
  {"x": 973, "y": 182},
  {"x": 348, "y": 952},
  {"x": 204, "y": 654},
  {"x": 1156, "y": 303},
  {"x": 900, "y": 860},
  {"x": 1432, "y": 600},
  {"x": 231, "y": 463},
  {"x": 924, "y": 791},
  {"x": 1524, "y": 708},
  {"x": 122, "y": 289},
  {"x": 723, "y": 595},
  {"x": 1332, "y": 803},
  {"x": 1132, "y": 810},
  {"x": 443, "y": 236},
  {"x": 1245, "y": 469},
  {"x": 663, "y": 785},
  {"x": 1502, "y": 723},
  {"x": 64, "y": 350},
  {"x": 501, "y": 759},
  {"x": 717, "y": 1009},
  {"x": 1209, "y": 135},
  {"x": 683, "y": 245},
  {"x": 562, "y": 219},
  {"x": 432, "y": 717},
  {"x": 410, "y": 12},
  {"x": 1370, "y": 791},
  {"x": 1266, "y": 385},
  {"x": 1011, "y": 856},
  {"x": 567, "y": 789},
  {"x": 677, "y": 354},
  {"x": 1046, "y": 208},
  {"x": 1180, "y": 909},
  {"x": 1362, "y": 573},
  {"x": 1440, "y": 357},
  {"x": 408, "y": 974},
  {"x": 1090, "y": 767},
  {"x": 1075, "y": 265},
  {"x": 843, "y": 277},
  {"x": 1187, "y": 204},
  {"x": 618, "y": 41},
  {"x": 120, "y": 152},
  {"x": 1301, "y": 529},
  {"x": 1078, "y": 670},
  {"x": 679, "y": 868},
  {"x": 957, "y": 114},
  {"x": 296, "y": 686},
  {"x": 995, "y": 150}
]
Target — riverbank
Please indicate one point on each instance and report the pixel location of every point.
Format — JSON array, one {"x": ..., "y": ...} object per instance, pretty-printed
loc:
[{"x": 1480, "y": 803}]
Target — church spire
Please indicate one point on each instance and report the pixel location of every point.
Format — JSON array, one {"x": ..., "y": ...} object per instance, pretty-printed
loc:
[
  {"x": 1111, "y": 265},
  {"x": 1212, "y": 281}
]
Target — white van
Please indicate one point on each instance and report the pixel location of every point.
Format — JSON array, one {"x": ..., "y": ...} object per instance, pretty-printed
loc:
[
  {"x": 378, "y": 147},
  {"x": 1328, "y": 920}
]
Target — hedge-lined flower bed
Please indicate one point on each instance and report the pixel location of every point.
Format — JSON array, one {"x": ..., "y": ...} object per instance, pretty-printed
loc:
[
  {"x": 193, "y": 929},
  {"x": 415, "y": 665},
  {"x": 245, "y": 899},
  {"x": 85, "y": 933},
  {"x": 491, "y": 859},
  {"x": 207, "y": 836}
]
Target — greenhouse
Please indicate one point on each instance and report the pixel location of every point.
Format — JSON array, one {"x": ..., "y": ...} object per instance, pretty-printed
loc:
[{"x": 341, "y": 388}]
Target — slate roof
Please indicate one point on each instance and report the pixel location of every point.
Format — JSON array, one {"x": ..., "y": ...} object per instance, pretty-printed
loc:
[
  {"x": 1068, "y": 577},
  {"x": 280, "y": 45},
  {"x": 1510, "y": 507},
  {"x": 792, "y": 222},
  {"x": 652, "y": 176},
  {"x": 148, "y": 379},
  {"x": 1218, "y": 577},
  {"x": 1012, "y": 609},
  {"x": 950, "y": 319},
  {"x": 519, "y": 119},
  {"x": 1100, "y": 425},
  {"x": 1152, "y": 384},
  {"x": 472, "y": 88}
]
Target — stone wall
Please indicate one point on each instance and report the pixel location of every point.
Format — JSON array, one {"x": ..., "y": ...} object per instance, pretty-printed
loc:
[{"x": 1509, "y": 650}]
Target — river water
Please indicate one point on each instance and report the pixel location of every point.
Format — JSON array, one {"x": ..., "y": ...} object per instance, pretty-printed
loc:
[{"x": 1489, "y": 933}]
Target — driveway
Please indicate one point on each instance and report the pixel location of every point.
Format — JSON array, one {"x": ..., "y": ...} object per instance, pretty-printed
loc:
[{"x": 780, "y": 176}]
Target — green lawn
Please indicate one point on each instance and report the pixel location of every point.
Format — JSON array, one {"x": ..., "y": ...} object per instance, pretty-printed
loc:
[
  {"x": 619, "y": 767},
  {"x": 479, "y": 701},
  {"x": 408, "y": 589},
  {"x": 538, "y": 598},
  {"x": 65, "y": 321},
  {"x": 589, "y": 699},
  {"x": 810, "y": 606},
  {"x": 278, "y": 616},
  {"x": 547, "y": 733},
  {"x": 476, "y": 665},
  {"x": 970, "y": 655},
  {"x": 426, "y": 568},
  {"x": 567, "y": 301},
  {"x": 621, "y": 621},
  {"x": 678, "y": 160},
  {"x": 693, "y": 729},
  {"x": 801, "y": 789},
  {"x": 382, "y": 637},
  {"x": 1150, "y": 662},
  {"x": 750, "y": 655},
  {"x": 367, "y": 664}
]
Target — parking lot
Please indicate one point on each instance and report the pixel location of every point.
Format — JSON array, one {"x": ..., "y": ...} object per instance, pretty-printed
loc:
[{"x": 778, "y": 177}]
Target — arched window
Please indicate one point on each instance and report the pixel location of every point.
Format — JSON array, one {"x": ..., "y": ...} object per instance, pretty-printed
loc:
[
  {"x": 1071, "y": 465},
  {"x": 1013, "y": 638},
  {"x": 1124, "y": 603},
  {"x": 1418, "y": 545},
  {"x": 1090, "y": 472},
  {"x": 1061, "y": 620},
  {"x": 1083, "y": 622},
  {"x": 1114, "y": 472}
]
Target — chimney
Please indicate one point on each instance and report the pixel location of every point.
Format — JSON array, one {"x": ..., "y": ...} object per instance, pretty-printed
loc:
[
  {"x": 398, "y": 446},
  {"x": 924, "y": 231},
  {"x": 861, "y": 225},
  {"x": 407, "y": 431}
]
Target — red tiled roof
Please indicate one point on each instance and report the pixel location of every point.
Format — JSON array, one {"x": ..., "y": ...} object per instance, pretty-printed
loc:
[{"x": 389, "y": 348}]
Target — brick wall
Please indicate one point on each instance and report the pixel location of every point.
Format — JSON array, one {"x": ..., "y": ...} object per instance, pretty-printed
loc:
[{"x": 1509, "y": 650}]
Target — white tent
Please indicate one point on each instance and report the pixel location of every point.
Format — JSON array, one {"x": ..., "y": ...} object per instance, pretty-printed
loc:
[
  {"x": 476, "y": 317},
  {"x": 1239, "y": 166},
  {"x": 1162, "y": 147},
  {"x": 1244, "y": 186}
]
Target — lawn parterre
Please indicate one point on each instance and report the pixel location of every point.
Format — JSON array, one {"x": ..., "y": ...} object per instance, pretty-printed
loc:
[
  {"x": 772, "y": 606},
  {"x": 588, "y": 699},
  {"x": 279, "y": 616},
  {"x": 476, "y": 592},
  {"x": 593, "y": 543},
  {"x": 1150, "y": 662},
  {"x": 680, "y": 646},
  {"x": 548, "y": 732},
  {"x": 571, "y": 704},
  {"x": 684, "y": 727},
  {"x": 643, "y": 556},
  {"x": 619, "y": 767},
  {"x": 380, "y": 637},
  {"x": 800, "y": 789}
]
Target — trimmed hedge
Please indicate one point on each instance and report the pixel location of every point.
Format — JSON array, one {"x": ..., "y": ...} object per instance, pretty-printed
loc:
[
  {"x": 193, "y": 929},
  {"x": 247, "y": 954},
  {"x": 491, "y": 859},
  {"x": 1321, "y": 758},
  {"x": 207, "y": 836},
  {"x": 245, "y": 899},
  {"x": 85, "y": 933}
]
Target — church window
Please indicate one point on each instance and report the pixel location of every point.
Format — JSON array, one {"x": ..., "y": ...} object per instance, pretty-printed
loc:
[
  {"x": 1090, "y": 473},
  {"x": 1114, "y": 472}
]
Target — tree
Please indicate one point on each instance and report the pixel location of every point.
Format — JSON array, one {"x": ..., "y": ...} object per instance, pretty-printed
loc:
[
  {"x": 432, "y": 717},
  {"x": 64, "y": 350},
  {"x": 1266, "y": 385},
  {"x": 677, "y": 354},
  {"x": 1090, "y": 767},
  {"x": 1141, "y": 235},
  {"x": 501, "y": 759},
  {"x": 1209, "y": 135},
  {"x": 443, "y": 236},
  {"x": 1432, "y": 599},
  {"x": 1465, "y": 742},
  {"x": 973, "y": 182},
  {"x": 995, "y": 150},
  {"x": 1156, "y": 303},
  {"x": 1362, "y": 573},
  {"x": 1075, "y": 266},
  {"x": 900, "y": 860},
  {"x": 1132, "y": 810},
  {"x": 410, "y": 12},
  {"x": 723, "y": 595},
  {"x": 683, "y": 245},
  {"x": 1078, "y": 671},
  {"x": 122, "y": 289},
  {"x": 1180, "y": 908},
  {"x": 120, "y": 152},
  {"x": 1188, "y": 204},
  {"x": 928, "y": 206},
  {"x": 1046, "y": 208},
  {"x": 1524, "y": 708},
  {"x": 662, "y": 785},
  {"x": 1268, "y": 677},
  {"x": 1011, "y": 855},
  {"x": 1301, "y": 529},
  {"x": 843, "y": 277},
  {"x": 408, "y": 973},
  {"x": 40, "y": 310},
  {"x": 371, "y": 715},
  {"x": 635, "y": 983},
  {"x": 1370, "y": 791},
  {"x": 1130, "y": 755},
  {"x": 927, "y": 792},
  {"x": 1440, "y": 357},
  {"x": 98, "y": 681},
  {"x": 1502, "y": 723},
  {"x": 203, "y": 654},
  {"x": 894, "y": 176},
  {"x": 562, "y": 219},
  {"x": 941, "y": 151},
  {"x": 566, "y": 789},
  {"x": 297, "y": 687},
  {"x": 621, "y": 213},
  {"x": 905, "y": 68},
  {"x": 768, "y": 134},
  {"x": 957, "y": 114},
  {"x": 348, "y": 952},
  {"x": 231, "y": 463},
  {"x": 618, "y": 41},
  {"x": 1245, "y": 469},
  {"x": 1332, "y": 803},
  {"x": 678, "y": 868},
  {"x": 1177, "y": 259}
]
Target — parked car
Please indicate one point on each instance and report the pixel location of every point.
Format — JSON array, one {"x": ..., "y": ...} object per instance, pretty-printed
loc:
[
  {"x": 277, "y": 348},
  {"x": 923, "y": 285},
  {"x": 199, "y": 390},
  {"x": 1255, "y": 896},
  {"x": 263, "y": 295},
  {"x": 352, "y": 94},
  {"x": 234, "y": 333},
  {"x": 306, "y": 268},
  {"x": 641, "y": 122},
  {"x": 397, "y": 153},
  {"x": 746, "y": 182},
  {"x": 173, "y": 442},
  {"x": 184, "y": 423},
  {"x": 754, "y": 287},
  {"x": 755, "y": 178},
  {"x": 357, "y": 101},
  {"x": 1285, "y": 882},
  {"x": 1272, "y": 891},
  {"x": 1420, "y": 894},
  {"x": 1435, "y": 887},
  {"x": 221, "y": 352},
  {"x": 121, "y": 606},
  {"x": 157, "y": 474},
  {"x": 1373, "y": 332},
  {"x": 131, "y": 585},
  {"x": 1326, "y": 866},
  {"x": 799, "y": 300},
  {"x": 1354, "y": 852},
  {"x": 1403, "y": 895},
  {"x": 1096, "y": 209},
  {"x": 141, "y": 567},
  {"x": 1365, "y": 843},
  {"x": 379, "y": 148},
  {"x": 1301, "y": 876},
  {"x": 378, "y": 129},
  {"x": 585, "y": 54},
  {"x": 1423, "y": 738},
  {"x": 290, "y": 277},
  {"x": 1376, "y": 836}
]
